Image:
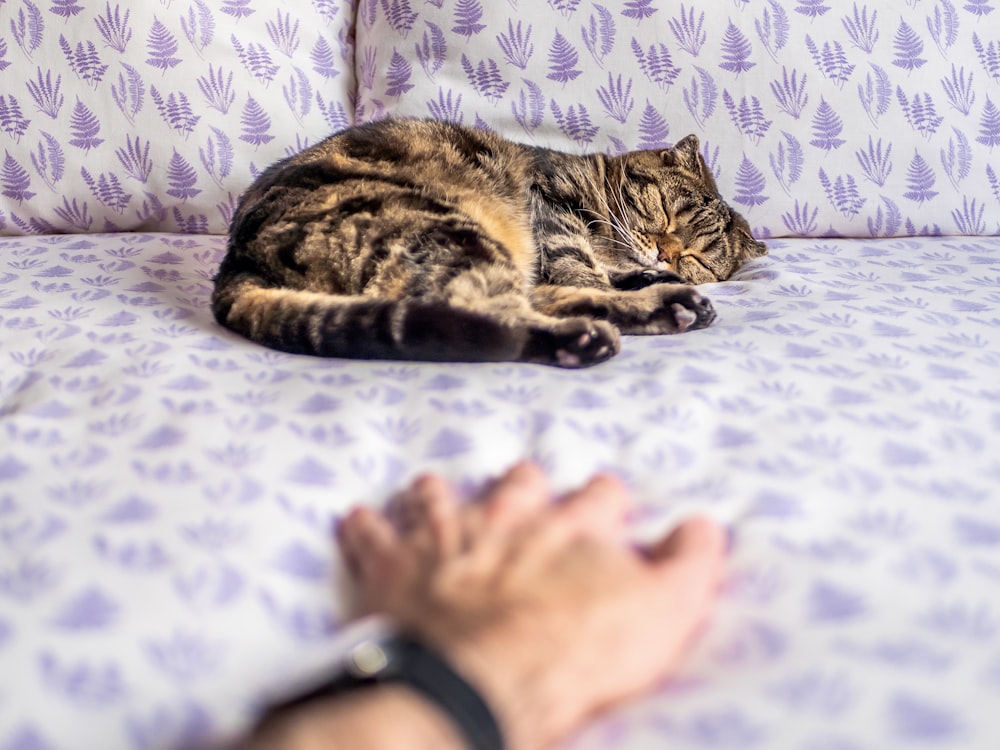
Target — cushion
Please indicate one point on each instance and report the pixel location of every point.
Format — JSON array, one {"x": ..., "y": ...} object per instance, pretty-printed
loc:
[
  {"x": 119, "y": 116},
  {"x": 819, "y": 118}
]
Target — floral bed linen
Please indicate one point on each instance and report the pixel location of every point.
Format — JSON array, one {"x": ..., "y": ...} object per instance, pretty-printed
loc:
[{"x": 167, "y": 492}]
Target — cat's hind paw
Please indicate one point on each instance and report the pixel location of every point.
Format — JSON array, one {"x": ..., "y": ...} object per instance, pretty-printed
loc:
[{"x": 575, "y": 343}]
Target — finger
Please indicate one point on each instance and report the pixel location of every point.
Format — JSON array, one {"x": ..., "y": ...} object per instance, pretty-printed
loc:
[
  {"x": 369, "y": 544},
  {"x": 426, "y": 515},
  {"x": 696, "y": 538},
  {"x": 689, "y": 564},
  {"x": 598, "y": 507},
  {"x": 517, "y": 496}
]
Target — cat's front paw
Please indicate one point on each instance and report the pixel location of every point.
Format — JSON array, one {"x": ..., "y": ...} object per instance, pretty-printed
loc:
[
  {"x": 574, "y": 343},
  {"x": 668, "y": 309},
  {"x": 690, "y": 310},
  {"x": 642, "y": 279}
]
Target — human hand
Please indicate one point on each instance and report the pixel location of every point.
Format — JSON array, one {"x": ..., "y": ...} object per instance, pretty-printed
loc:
[{"x": 542, "y": 605}]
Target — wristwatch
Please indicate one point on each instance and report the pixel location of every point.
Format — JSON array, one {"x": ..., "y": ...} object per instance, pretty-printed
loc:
[{"x": 397, "y": 658}]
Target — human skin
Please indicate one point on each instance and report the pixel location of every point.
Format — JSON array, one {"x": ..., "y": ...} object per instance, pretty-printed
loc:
[{"x": 539, "y": 602}]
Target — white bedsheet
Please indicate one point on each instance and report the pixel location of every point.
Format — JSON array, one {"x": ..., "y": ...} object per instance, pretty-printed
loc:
[{"x": 167, "y": 489}]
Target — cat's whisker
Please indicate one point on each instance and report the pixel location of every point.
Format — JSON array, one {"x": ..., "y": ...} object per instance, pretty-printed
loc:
[
  {"x": 616, "y": 193},
  {"x": 613, "y": 238},
  {"x": 601, "y": 219},
  {"x": 619, "y": 243},
  {"x": 616, "y": 218},
  {"x": 615, "y": 225}
]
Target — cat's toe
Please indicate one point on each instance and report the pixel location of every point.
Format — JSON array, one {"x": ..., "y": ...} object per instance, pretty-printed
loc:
[
  {"x": 595, "y": 345},
  {"x": 579, "y": 342},
  {"x": 684, "y": 317},
  {"x": 696, "y": 312},
  {"x": 683, "y": 309}
]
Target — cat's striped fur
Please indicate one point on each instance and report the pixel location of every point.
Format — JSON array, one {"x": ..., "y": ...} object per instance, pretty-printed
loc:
[{"x": 422, "y": 240}]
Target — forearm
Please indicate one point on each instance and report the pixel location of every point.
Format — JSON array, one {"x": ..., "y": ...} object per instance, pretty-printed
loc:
[{"x": 385, "y": 717}]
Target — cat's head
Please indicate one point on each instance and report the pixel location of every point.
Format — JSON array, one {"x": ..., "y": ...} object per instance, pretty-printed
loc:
[{"x": 669, "y": 208}]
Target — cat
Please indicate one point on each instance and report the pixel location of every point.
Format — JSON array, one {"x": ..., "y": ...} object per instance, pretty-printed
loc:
[{"x": 426, "y": 240}]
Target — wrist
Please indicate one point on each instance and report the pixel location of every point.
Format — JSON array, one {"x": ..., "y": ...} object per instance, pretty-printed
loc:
[
  {"x": 518, "y": 683},
  {"x": 377, "y": 654},
  {"x": 357, "y": 720}
]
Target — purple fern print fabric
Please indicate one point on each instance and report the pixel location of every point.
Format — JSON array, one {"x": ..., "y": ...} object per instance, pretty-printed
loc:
[
  {"x": 867, "y": 119},
  {"x": 116, "y": 116}
]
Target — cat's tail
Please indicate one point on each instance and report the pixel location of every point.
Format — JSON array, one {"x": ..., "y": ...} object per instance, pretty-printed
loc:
[{"x": 326, "y": 325}]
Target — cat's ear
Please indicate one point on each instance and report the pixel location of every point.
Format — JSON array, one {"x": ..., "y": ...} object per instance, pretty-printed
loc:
[
  {"x": 684, "y": 154},
  {"x": 743, "y": 237},
  {"x": 754, "y": 248}
]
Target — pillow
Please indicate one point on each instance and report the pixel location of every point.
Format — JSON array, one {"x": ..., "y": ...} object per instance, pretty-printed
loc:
[
  {"x": 118, "y": 116},
  {"x": 819, "y": 118}
]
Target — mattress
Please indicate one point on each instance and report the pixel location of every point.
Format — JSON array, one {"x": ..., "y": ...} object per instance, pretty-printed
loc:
[{"x": 167, "y": 492}]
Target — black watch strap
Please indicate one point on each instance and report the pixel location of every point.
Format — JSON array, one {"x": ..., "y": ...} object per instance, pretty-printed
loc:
[{"x": 402, "y": 660}]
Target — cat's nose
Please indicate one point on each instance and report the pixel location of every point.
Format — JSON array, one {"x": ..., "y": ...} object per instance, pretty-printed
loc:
[{"x": 669, "y": 250}]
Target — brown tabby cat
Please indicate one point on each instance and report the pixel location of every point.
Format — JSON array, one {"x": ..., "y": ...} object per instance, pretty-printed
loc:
[{"x": 422, "y": 240}]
